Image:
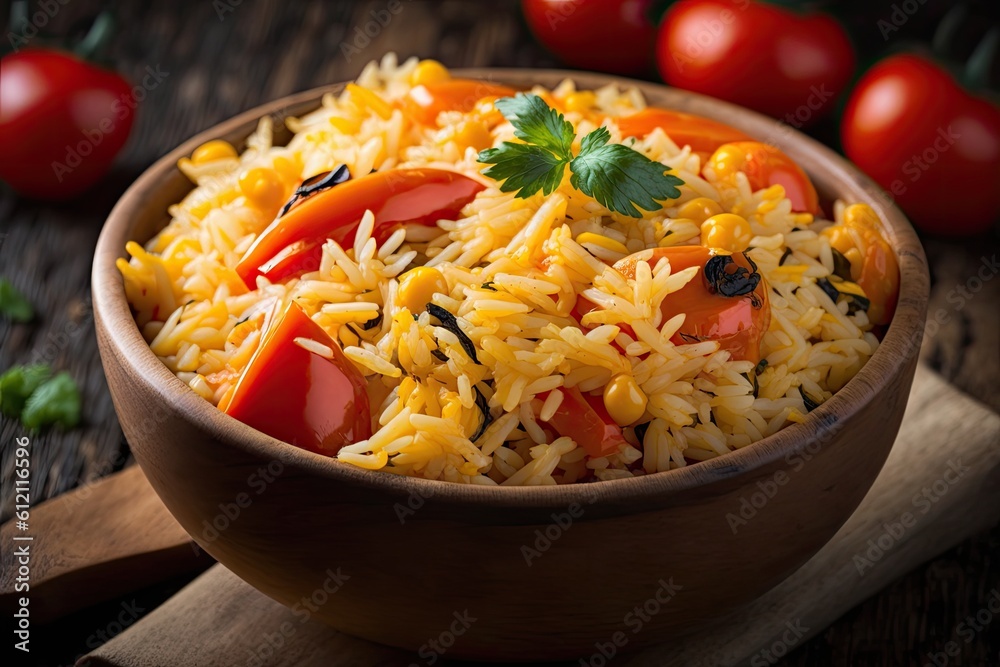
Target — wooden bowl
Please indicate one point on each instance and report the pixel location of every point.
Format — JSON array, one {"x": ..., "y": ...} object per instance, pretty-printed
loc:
[{"x": 546, "y": 572}]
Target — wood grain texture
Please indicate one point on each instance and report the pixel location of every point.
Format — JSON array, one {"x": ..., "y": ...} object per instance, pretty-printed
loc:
[
  {"x": 240, "y": 623},
  {"x": 95, "y": 543},
  {"x": 267, "y": 48}
]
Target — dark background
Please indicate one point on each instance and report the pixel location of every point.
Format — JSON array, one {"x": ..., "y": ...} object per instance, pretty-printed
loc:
[{"x": 226, "y": 56}]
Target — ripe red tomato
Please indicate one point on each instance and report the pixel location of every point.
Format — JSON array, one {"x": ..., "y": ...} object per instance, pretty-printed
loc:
[
  {"x": 788, "y": 65},
  {"x": 933, "y": 147},
  {"x": 595, "y": 34},
  {"x": 63, "y": 121}
]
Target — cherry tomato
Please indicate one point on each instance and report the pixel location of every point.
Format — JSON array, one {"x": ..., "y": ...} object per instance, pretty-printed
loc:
[
  {"x": 873, "y": 263},
  {"x": 584, "y": 418},
  {"x": 786, "y": 64},
  {"x": 934, "y": 147},
  {"x": 63, "y": 121},
  {"x": 597, "y": 35},
  {"x": 293, "y": 243},
  {"x": 737, "y": 322},
  {"x": 425, "y": 101},
  {"x": 765, "y": 166},
  {"x": 296, "y": 395},
  {"x": 703, "y": 135}
]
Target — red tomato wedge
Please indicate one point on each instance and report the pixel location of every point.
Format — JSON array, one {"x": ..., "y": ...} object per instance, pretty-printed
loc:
[
  {"x": 584, "y": 418},
  {"x": 293, "y": 243},
  {"x": 299, "y": 396},
  {"x": 737, "y": 322},
  {"x": 703, "y": 135},
  {"x": 424, "y": 102},
  {"x": 765, "y": 166}
]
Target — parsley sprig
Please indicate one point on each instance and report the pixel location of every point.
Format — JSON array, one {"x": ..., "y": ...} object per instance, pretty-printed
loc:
[{"x": 617, "y": 176}]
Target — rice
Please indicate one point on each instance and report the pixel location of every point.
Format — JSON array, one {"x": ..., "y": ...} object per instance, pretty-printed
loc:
[{"x": 515, "y": 269}]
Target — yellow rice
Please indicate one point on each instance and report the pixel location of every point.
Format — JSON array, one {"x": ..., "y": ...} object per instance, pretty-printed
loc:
[{"x": 203, "y": 323}]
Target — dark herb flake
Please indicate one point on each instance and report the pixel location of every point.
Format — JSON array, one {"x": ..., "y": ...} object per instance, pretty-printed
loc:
[
  {"x": 484, "y": 408},
  {"x": 828, "y": 289},
  {"x": 316, "y": 184},
  {"x": 450, "y": 322},
  {"x": 841, "y": 265},
  {"x": 737, "y": 282},
  {"x": 808, "y": 400},
  {"x": 640, "y": 431},
  {"x": 373, "y": 322}
]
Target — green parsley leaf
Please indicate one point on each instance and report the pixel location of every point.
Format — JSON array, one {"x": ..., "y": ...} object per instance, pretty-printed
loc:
[
  {"x": 616, "y": 175},
  {"x": 619, "y": 177},
  {"x": 17, "y": 384},
  {"x": 524, "y": 168},
  {"x": 13, "y": 304},
  {"x": 535, "y": 122},
  {"x": 55, "y": 402}
]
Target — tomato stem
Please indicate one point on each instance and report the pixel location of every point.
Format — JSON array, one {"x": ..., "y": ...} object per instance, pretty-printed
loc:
[
  {"x": 97, "y": 38},
  {"x": 947, "y": 32},
  {"x": 977, "y": 70}
]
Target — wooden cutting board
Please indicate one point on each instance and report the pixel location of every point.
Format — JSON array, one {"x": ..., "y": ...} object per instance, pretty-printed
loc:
[{"x": 948, "y": 444}]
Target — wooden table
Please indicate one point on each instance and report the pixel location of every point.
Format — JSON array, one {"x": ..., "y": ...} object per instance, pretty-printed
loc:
[{"x": 219, "y": 58}]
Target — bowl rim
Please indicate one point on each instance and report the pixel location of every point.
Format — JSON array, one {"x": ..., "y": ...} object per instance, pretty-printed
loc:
[{"x": 897, "y": 350}]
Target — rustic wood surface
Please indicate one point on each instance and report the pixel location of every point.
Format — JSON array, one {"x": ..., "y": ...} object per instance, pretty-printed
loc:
[
  {"x": 217, "y": 67},
  {"x": 96, "y": 543},
  {"x": 185, "y": 631}
]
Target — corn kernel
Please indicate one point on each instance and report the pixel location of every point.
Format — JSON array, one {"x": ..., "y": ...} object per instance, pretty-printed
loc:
[
  {"x": 624, "y": 400},
  {"x": 727, "y": 160},
  {"x": 262, "y": 187},
  {"x": 210, "y": 151},
  {"x": 699, "y": 209},
  {"x": 861, "y": 215},
  {"x": 417, "y": 286},
  {"x": 602, "y": 241},
  {"x": 288, "y": 169},
  {"x": 581, "y": 102},
  {"x": 726, "y": 231},
  {"x": 365, "y": 98},
  {"x": 429, "y": 71}
]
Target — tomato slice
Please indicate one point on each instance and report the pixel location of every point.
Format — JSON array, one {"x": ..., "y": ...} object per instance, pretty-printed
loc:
[
  {"x": 293, "y": 243},
  {"x": 737, "y": 322},
  {"x": 423, "y": 103},
  {"x": 584, "y": 418},
  {"x": 299, "y": 396},
  {"x": 765, "y": 166},
  {"x": 703, "y": 135}
]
